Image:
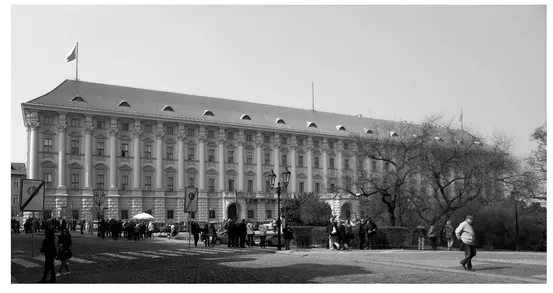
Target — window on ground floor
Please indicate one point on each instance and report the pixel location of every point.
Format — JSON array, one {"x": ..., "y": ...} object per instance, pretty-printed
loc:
[
  {"x": 268, "y": 214},
  {"x": 250, "y": 214},
  {"x": 75, "y": 214},
  {"x": 211, "y": 214},
  {"x": 192, "y": 215},
  {"x": 47, "y": 214},
  {"x": 170, "y": 214},
  {"x": 124, "y": 182},
  {"x": 48, "y": 180},
  {"x": 211, "y": 187},
  {"x": 124, "y": 214}
]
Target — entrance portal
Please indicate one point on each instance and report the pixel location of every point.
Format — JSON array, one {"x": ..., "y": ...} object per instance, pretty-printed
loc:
[
  {"x": 346, "y": 212},
  {"x": 232, "y": 211}
]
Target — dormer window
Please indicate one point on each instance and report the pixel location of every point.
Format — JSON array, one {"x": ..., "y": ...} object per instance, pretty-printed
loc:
[
  {"x": 244, "y": 117},
  {"x": 340, "y": 127},
  {"x": 311, "y": 124},
  {"x": 368, "y": 131},
  {"x": 124, "y": 104},
  {"x": 77, "y": 99},
  {"x": 393, "y": 134},
  {"x": 208, "y": 113},
  {"x": 168, "y": 108},
  {"x": 279, "y": 121}
]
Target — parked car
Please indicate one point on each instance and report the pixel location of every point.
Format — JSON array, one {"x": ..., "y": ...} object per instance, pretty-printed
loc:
[{"x": 270, "y": 238}]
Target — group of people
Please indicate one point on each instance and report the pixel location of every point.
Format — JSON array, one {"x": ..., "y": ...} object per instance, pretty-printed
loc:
[
  {"x": 61, "y": 251},
  {"x": 208, "y": 234},
  {"x": 16, "y": 227},
  {"x": 340, "y": 232}
]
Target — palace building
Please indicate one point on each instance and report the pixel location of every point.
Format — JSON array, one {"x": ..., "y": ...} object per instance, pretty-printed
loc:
[{"x": 142, "y": 148}]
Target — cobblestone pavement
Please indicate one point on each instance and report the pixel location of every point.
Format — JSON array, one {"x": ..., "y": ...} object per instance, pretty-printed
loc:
[{"x": 168, "y": 261}]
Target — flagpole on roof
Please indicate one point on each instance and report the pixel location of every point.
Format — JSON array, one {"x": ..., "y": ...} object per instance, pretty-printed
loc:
[{"x": 77, "y": 64}]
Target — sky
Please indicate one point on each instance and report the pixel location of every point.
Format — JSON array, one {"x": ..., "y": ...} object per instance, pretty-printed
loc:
[{"x": 386, "y": 62}]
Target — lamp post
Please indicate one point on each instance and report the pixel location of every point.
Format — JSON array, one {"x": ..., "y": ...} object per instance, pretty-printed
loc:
[
  {"x": 515, "y": 198},
  {"x": 278, "y": 189},
  {"x": 99, "y": 200}
]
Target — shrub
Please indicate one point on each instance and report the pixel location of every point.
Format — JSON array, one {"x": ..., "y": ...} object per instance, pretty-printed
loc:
[
  {"x": 392, "y": 237},
  {"x": 309, "y": 236}
]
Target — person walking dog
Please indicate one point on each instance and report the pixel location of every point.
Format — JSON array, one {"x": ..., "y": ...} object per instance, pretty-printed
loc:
[{"x": 465, "y": 234}]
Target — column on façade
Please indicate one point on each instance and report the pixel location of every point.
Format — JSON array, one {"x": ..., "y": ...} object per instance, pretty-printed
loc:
[
  {"x": 113, "y": 194},
  {"x": 276, "y": 153},
  {"x": 309, "y": 164},
  {"x": 136, "y": 201},
  {"x": 31, "y": 122},
  {"x": 339, "y": 165},
  {"x": 159, "y": 199},
  {"x": 62, "y": 126},
  {"x": 202, "y": 194},
  {"x": 293, "y": 177},
  {"x": 261, "y": 207},
  {"x": 324, "y": 151},
  {"x": 240, "y": 141},
  {"x": 87, "y": 199},
  {"x": 221, "y": 148},
  {"x": 181, "y": 192}
]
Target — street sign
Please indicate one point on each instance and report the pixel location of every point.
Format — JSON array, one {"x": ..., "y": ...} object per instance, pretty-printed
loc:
[
  {"x": 32, "y": 195},
  {"x": 191, "y": 200}
]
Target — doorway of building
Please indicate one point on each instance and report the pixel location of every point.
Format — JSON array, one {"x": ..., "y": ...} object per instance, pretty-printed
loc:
[
  {"x": 232, "y": 211},
  {"x": 346, "y": 212}
]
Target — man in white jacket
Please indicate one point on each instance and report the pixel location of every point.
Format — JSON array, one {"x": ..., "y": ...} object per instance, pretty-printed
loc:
[{"x": 465, "y": 234}]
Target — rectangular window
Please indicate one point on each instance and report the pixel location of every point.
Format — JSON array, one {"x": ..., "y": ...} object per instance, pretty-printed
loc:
[
  {"x": 170, "y": 214},
  {"x": 74, "y": 214},
  {"x": 317, "y": 188},
  {"x": 148, "y": 183},
  {"x": 300, "y": 161},
  {"x": 192, "y": 215},
  {"x": 125, "y": 126},
  {"x": 346, "y": 164},
  {"x": 211, "y": 214},
  {"x": 300, "y": 141},
  {"x": 75, "y": 181},
  {"x": 148, "y": 128},
  {"x": 248, "y": 157},
  {"x": 16, "y": 182},
  {"x": 190, "y": 132},
  {"x": 170, "y": 184},
  {"x": 267, "y": 186},
  {"x": 48, "y": 180},
  {"x": 387, "y": 166},
  {"x": 283, "y": 140},
  {"x": 191, "y": 181},
  {"x": 231, "y": 185},
  {"x": 250, "y": 185},
  {"x": 284, "y": 160},
  {"x": 100, "y": 148},
  {"x": 191, "y": 154},
  {"x": 147, "y": 151},
  {"x": 230, "y": 156},
  {"x": 332, "y": 187},
  {"x": 331, "y": 163},
  {"x": 75, "y": 122},
  {"x": 169, "y": 130},
  {"x": 330, "y": 144},
  {"x": 269, "y": 214},
  {"x": 249, "y": 137},
  {"x": 124, "y": 214},
  {"x": 124, "y": 182},
  {"x": 49, "y": 120},
  {"x": 267, "y": 159},
  {"x": 316, "y": 162},
  {"x": 316, "y": 143},
  {"x": 101, "y": 124},
  {"x": 346, "y": 145},
  {"x": 124, "y": 150},
  {"x": 301, "y": 187},
  {"x": 373, "y": 166},
  {"x": 250, "y": 214},
  {"x": 266, "y": 139},
  {"x": 75, "y": 147},
  {"x": 48, "y": 145},
  {"x": 100, "y": 181},
  {"x": 169, "y": 153},
  {"x": 211, "y": 155},
  {"x": 211, "y": 185},
  {"x": 210, "y": 134},
  {"x": 231, "y": 135},
  {"x": 15, "y": 199}
]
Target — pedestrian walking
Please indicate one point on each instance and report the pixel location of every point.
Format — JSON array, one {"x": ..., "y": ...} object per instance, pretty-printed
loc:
[
  {"x": 136, "y": 232},
  {"x": 242, "y": 232},
  {"x": 250, "y": 233},
  {"x": 212, "y": 234},
  {"x": 82, "y": 226},
  {"x": 329, "y": 231},
  {"x": 335, "y": 235},
  {"x": 421, "y": 233},
  {"x": 288, "y": 235},
  {"x": 361, "y": 234},
  {"x": 64, "y": 251},
  {"x": 232, "y": 229},
  {"x": 448, "y": 231},
  {"x": 342, "y": 235},
  {"x": 50, "y": 252},
  {"x": 195, "y": 230},
  {"x": 205, "y": 235},
  {"x": 432, "y": 236},
  {"x": 465, "y": 234},
  {"x": 371, "y": 233},
  {"x": 262, "y": 235}
]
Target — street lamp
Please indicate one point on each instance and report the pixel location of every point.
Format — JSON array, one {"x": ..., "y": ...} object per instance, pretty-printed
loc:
[
  {"x": 99, "y": 200},
  {"x": 278, "y": 189}
]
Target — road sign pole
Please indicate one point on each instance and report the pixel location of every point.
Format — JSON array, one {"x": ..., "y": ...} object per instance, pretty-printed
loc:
[{"x": 189, "y": 224}]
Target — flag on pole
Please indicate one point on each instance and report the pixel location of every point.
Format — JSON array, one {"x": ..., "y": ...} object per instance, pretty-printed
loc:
[
  {"x": 461, "y": 117},
  {"x": 72, "y": 55}
]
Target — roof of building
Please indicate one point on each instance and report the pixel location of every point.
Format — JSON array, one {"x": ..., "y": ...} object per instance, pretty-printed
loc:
[
  {"x": 19, "y": 169},
  {"x": 110, "y": 100}
]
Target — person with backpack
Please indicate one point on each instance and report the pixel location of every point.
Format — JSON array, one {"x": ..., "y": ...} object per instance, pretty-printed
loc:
[{"x": 64, "y": 251}]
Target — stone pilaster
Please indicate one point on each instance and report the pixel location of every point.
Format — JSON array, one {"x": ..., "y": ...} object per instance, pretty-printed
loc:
[
  {"x": 113, "y": 207},
  {"x": 259, "y": 160},
  {"x": 293, "y": 177},
  {"x": 201, "y": 139},
  {"x": 325, "y": 163},
  {"x": 181, "y": 136},
  {"x": 222, "y": 138},
  {"x": 137, "y": 131},
  {"x": 113, "y": 156},
  {"x": 159, "y": 160},
  {"x": 62, "y": 125},
  {"x": 309, "y": 164},
  {"x": 159, "y": 211},
  {"x": 240, "y": 142},
  {"x": 32, "y": 124}
]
